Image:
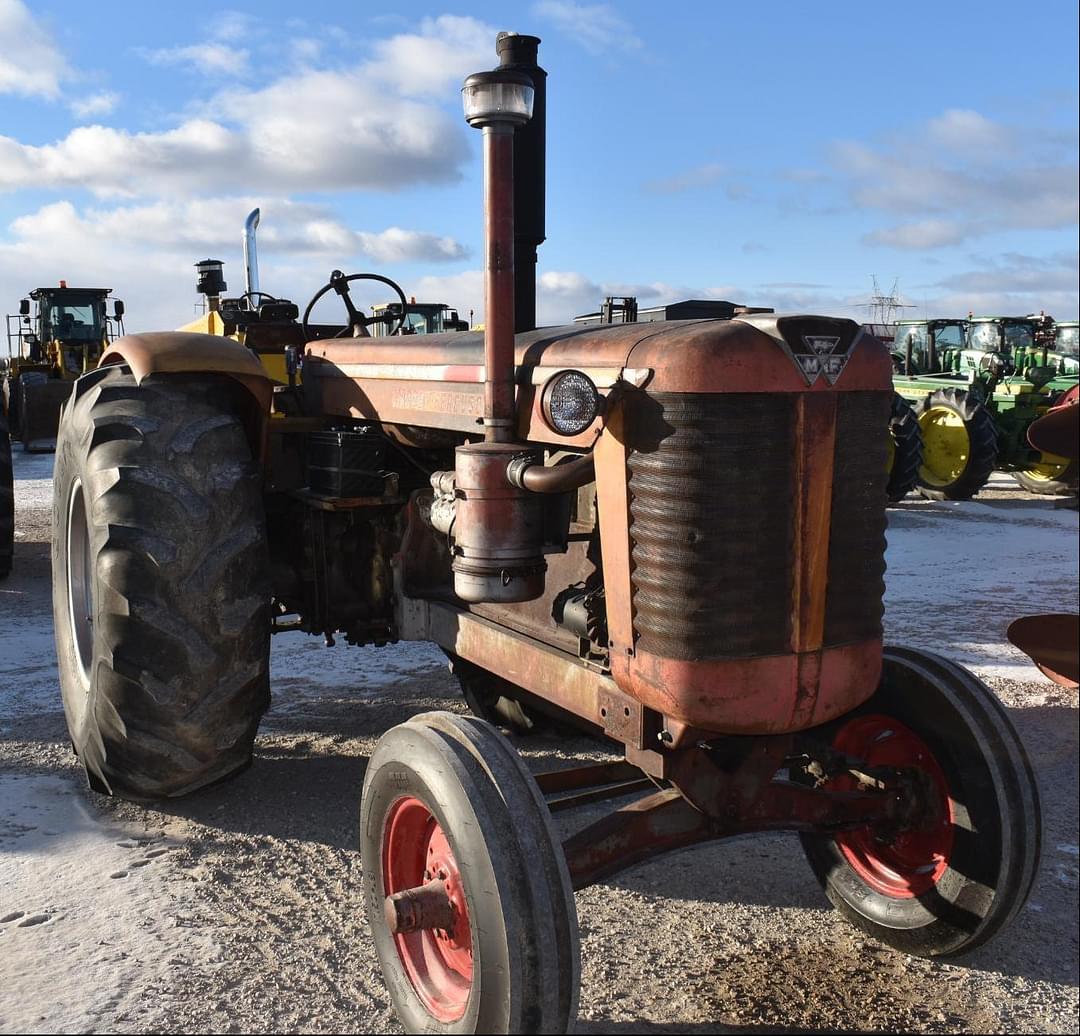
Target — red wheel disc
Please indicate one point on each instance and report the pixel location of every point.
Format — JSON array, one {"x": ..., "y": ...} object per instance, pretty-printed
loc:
[
  {"x": 911, "y": 862},
  {"x": 415, "y": 850}
]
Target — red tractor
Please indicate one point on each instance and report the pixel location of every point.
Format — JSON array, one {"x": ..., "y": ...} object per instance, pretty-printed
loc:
[{"x": 588, "y": 522}]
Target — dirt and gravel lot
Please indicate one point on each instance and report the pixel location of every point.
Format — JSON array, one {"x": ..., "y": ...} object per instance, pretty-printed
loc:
[{"x": 239, "y": 909}]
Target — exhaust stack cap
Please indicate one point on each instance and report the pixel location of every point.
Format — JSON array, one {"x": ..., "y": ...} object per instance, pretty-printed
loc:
[{"x": 500, "y": 96}]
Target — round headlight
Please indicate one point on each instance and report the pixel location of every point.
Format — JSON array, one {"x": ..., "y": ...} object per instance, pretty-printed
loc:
[{"x": 569, "y": 402}]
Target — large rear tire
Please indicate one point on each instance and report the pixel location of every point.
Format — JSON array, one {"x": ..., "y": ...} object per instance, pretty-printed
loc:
[
  {"x": 447, "y": 800},
  {"x": 905, "y": 449},
  {"x": 959, "y": 445},
  {"x": 7, "y": 501},
  {"x": 947, "y": 887},
  {"x": 160, "y": 595},
  {"x": 1050, "y": 476}
]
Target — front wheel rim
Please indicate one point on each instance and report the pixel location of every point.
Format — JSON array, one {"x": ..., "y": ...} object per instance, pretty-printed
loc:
[
  {"x": 908, "y": 863},
  {"x": 439, "y": 963},
  {"x": 80, "y": 583}
]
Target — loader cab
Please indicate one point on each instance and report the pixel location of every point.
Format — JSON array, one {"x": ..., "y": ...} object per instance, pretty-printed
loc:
[
  {"x": 70, "y": 328},
  {"x": 421, "y": 318}
]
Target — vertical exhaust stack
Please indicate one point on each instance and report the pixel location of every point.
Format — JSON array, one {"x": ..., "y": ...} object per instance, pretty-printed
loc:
[
  {"x": 519, "y": 53},
  {"x": 497, "y": 103},
  {"x": 251, "y": 259}
]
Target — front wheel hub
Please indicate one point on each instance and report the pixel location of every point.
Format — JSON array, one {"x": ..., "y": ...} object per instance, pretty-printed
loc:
[
  {"x": 907, "y": 862},
  {"x": 426, "y": 909}
]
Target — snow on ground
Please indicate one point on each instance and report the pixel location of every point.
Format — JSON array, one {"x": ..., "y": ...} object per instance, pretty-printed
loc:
[
  {"x": 972, "y": 568},
  {"x": 76, "y": 888}
]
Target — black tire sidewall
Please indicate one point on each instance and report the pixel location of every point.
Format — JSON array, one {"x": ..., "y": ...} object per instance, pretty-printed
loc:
[
  {"x": 941, "y": 921},
  {"x": 445, "y": 790},
  {"x": 78, "y": 700}
]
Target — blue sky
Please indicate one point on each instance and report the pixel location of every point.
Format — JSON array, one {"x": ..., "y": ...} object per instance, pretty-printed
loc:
[{"x": 774, "y": 154}]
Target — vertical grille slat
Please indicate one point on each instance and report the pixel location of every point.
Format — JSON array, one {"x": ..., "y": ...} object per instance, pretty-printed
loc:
[
  {"x": 713, "y": 513},
  {"x": 711, "y": 524},
  {"x": 854, "y": 607}
]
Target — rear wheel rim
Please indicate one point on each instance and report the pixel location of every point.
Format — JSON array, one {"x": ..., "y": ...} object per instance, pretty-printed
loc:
[
  {"x": 80, "y": 583},
  {"x": 1048, "y": 468},
  {"x": 439, "y": 963},
  {"x": 946, "y": 446},
  {"x": 908, "y": 863}
]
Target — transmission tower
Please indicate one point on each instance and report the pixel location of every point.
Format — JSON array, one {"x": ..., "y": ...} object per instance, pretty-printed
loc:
[{"x": 883, "y": 308}]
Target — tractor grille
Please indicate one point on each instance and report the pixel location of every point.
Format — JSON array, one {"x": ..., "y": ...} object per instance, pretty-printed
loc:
[
  {"x": 853, "y": 607},
  {"x": 713, "y": 511}
]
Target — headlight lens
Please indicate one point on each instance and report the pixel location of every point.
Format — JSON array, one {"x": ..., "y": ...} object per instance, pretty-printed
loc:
[{"x": 569, "y": 402}]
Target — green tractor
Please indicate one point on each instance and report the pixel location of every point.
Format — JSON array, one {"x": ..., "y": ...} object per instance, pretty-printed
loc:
[
  {"x": 63, "y": 339},
  {"x": 976, "y": 385},
  {"x": 1064, "y": 350}
]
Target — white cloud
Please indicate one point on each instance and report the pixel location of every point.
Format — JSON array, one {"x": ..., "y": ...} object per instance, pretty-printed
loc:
[
  {"x": 395, "y": 245},
  {"x": 925, "y": 233},
  {"x": 369, "y": 126},
  {"x": 961, "y": 176},
  {"x": 30, "y": 63},
  {"x": 597, "y": 27},
  {"x": 147, "y": 251},
  {"x": 94, "y": 104},
  {"x": 437, "y": 58},
  {"x": 209, "y": 58}
]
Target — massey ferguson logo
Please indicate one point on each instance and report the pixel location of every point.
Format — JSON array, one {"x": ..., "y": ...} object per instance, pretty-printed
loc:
[{"x": 821, "y": 354}]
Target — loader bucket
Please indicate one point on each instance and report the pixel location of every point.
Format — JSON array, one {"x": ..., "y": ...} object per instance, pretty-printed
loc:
[{"x": 40, "y": 415}]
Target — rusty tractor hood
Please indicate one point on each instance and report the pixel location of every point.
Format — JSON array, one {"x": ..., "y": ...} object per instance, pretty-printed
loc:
[{"x": 436, "y": 381}]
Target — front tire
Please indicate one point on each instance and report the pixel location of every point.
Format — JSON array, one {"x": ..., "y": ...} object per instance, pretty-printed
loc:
[
  {"x": 959, "y": 445},
  {"x": 447, "y": 799},
  {"x": 160, "y": 595},
  {"x": 905, "y": 450},
  {"x": 945, "y": 888}
]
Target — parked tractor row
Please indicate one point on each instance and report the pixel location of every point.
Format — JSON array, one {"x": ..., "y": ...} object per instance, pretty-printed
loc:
[
  {"x": 669, "y": 535},
  {"x": 976, "y": 386}
]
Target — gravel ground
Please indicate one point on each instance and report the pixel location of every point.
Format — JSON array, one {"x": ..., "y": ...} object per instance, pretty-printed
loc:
[{"x": 238, "y": 909}]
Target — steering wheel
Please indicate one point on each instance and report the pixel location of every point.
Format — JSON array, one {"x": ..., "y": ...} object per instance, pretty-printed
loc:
[
  {"x": 358, "y": 323},
  {"x": 260, "y": 296}
]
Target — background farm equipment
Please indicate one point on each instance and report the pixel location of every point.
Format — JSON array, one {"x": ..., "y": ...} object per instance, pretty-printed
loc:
[
  {"x": 7, "y": 500},
  {"x": 47, "y": 351},
  {"x": 976, "y": 388},
  {"x": 569, "y": 513}
]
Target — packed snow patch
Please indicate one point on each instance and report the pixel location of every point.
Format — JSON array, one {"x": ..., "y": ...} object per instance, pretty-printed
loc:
[{"x": 88, "y": 917}]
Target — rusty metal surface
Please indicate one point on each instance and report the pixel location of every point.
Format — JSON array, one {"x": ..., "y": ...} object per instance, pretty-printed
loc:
[
  {"x": 179, "y": 352},
  {"x": 664, "y": 821},
  {"x": 498, "y": 528},
  {"x": 553, "y": 675},
  {"x": 499, "y": 373},
  {"x": 705, "y": 356},
  {"x": 589, "y": 776},
  {"x": 752, "y": 695}
]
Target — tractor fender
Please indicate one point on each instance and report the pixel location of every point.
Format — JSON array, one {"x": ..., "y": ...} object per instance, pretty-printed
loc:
[{"x": 183, "y": 352}]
